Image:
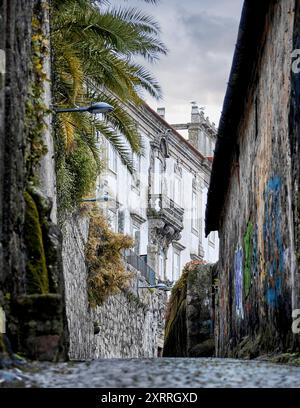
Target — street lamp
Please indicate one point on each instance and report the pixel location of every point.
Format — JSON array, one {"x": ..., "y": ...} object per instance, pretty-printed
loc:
[
  {"x": 104, "y": 198},
  {"x": 159, "y": 286},
  {"x": 94, "y": 108}
]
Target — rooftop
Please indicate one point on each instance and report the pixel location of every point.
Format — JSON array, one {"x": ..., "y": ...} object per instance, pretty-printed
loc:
[{"x": 243, "y": 71}]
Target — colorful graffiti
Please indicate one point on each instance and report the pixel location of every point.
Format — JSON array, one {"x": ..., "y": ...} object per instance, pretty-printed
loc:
[
  {"x": 238, "y": 280},
  {"x": 255, "y": 253},
  {"x": 273, "y": 241}
]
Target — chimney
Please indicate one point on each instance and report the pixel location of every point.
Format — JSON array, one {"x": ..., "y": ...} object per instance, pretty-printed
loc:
[
  {"x": 161, "y": 112},
  {"x": 195, "y": 117}
]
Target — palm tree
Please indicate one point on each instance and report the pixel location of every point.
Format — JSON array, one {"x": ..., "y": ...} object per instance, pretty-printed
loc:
[
  {"x": 94, "y": 56},
  {"x": 96, "y": 48}
]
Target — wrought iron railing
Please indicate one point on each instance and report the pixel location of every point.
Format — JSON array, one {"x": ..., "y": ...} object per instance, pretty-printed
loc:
[
  {"x": 160, "y": 203},
  {"x": 140, "y": 265}
]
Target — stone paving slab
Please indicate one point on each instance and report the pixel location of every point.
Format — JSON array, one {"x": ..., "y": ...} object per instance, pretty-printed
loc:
[{"x": 151, "y": 373}]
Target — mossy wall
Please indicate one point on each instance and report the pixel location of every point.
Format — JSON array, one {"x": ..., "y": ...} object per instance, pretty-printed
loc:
[
  {"x": 36, "y": 269},
  {"x": 175, "y": 343},
  {"x": 30, "y": 253},
  {"x": 189, "y": 319},
  {"x": 259, "y": 280}
]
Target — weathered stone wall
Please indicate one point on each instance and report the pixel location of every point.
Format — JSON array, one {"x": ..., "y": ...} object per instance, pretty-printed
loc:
[
  {"x": 129, "y": 324},
  {"x": 258, "y": 272},
  {"x": 29, "y": 241},
  {"x": 15, "y": 41},
  {"x": 47, "y": 173},
  {"x": 189, "y": 321}
]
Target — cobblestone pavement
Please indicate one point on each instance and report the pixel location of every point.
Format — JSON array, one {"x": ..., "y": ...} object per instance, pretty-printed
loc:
[{"x": 163, "y": 372}]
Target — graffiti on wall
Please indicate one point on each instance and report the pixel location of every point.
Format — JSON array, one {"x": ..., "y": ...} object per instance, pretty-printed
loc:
[
  {"x": 274, "y": 253},
  {"x": 238, "y": 281},
  {"x": 255, "y": 253}
]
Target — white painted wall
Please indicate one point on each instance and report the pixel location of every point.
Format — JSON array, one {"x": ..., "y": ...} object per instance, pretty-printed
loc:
[{"x": 120, "y": 186}]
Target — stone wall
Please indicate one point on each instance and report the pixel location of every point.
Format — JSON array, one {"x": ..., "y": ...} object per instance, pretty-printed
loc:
[
  {"x": 189, "y": 320},
  {"x": 129, "y": 324},
  {"x": 47, "y": 175},
  {"x": 26, "y": 229},
  {"x": 15, "y": 43},
  {"x": 258, "y": 271}
]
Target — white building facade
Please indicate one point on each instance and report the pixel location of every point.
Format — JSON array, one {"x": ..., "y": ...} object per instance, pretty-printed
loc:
[{"x": 162, "y": 205}]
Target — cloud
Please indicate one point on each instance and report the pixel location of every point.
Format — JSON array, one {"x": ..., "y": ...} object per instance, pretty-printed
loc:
[{"x": 200, "y": 36}]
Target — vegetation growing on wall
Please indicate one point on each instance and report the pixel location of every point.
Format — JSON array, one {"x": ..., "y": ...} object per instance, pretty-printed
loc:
[
  {"x": 178, "y": 296},
  {"x": 76, "y": 175},
  {"x": 36, "y": 110},
  {"x": 36, "y": 268},
  {"x": 175, "y": 330},
  {"x": 107, "y": 273},
  {"x": 35, "y": 126}
]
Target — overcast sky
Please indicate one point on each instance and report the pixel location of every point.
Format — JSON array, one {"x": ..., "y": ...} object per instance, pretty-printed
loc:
[{"x": 200, "y": 36}]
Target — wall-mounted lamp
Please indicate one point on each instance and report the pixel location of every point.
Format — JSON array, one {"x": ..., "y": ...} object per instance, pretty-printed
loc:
[
  {"x": 94, "y": 108},
  {"x": 104, "y": 198},
  {"x": 159, "y": 286}
]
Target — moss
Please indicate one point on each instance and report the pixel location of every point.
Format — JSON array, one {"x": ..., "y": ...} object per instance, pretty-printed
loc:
[
  {"x": 175, "y": 344},
  {"x": 292, "y": 359},
  {"x": 2, "y": 345},
  {"x": 178, "y": 297},
  {"x": 36, "y": 110},
  {"x": 36, "y": 269},
  {"x": 204, "y": 349},
  {"x": 76, "y": 175}
]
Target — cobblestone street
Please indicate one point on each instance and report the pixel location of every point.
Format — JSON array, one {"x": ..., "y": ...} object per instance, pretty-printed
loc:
[{"x": 147, "y": 373}]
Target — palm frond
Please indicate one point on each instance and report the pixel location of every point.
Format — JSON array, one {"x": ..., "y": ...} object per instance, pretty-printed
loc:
[
  {"x": 118, "y": 144},
  {"x": 98, "y": 45},
  {"x": 68, "y": 130}
]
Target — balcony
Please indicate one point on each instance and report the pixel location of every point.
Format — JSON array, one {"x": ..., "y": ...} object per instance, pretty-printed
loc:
[
  {"x": 162, "y": 207},
  {"x": 138, "y": 263}
]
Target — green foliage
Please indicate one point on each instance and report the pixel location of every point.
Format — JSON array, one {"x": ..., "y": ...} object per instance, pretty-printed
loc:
[
  {"x": 2, "y": 345},
  {"x": 76, "y": 176},
  {"x": 178, "y": 296},
  {"x": 175, "y": 344},
  {"x": 107, "y": 273},
  {"x": 36, "y": 268},
  {"x": 36, "y": 111},
  {"x": 94, "y": 49}
]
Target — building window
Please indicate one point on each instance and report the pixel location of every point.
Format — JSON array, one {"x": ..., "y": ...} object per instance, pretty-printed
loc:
[
  {"x": 137, "y": 163},
  {"x": 135, "y": 180},
  {"x": 136, "y": 237},
  {"x": 158, "y": 170},
  {"x": 212, "y": 238},
  {"x": 161, "y": 266},
  {"x": 177, "y": 190},
  {"x": 195, "y": 212},
  {"x": 213, "y": 149},
  {"x": 112, "y": 158},
  {"x": 113, "y": 220},
  {"x": 210, "y": 150},
  {"x": 176, "y": 265}
]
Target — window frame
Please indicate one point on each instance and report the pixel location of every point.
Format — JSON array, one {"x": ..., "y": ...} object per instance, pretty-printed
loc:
[
  {"x": 112, "y": 159},
  {"x": 195, "y": 222},
  {"x": 176, "y": 253}
]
